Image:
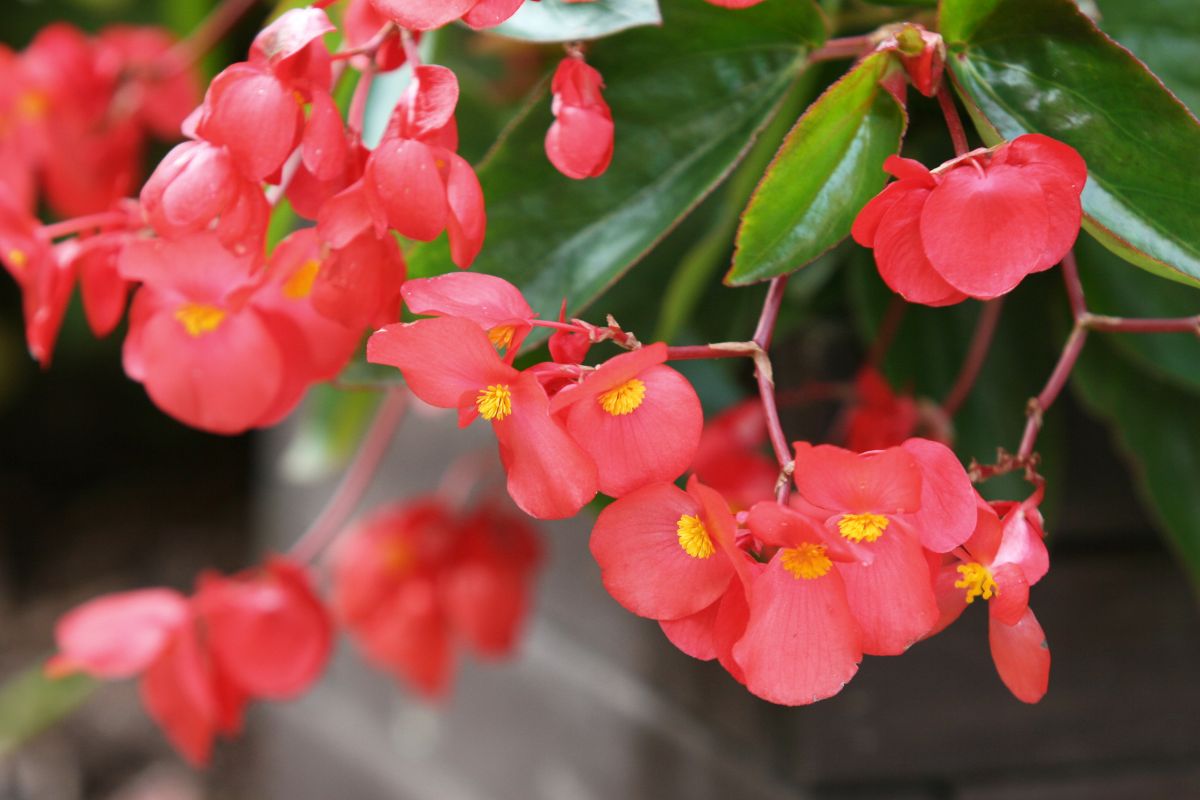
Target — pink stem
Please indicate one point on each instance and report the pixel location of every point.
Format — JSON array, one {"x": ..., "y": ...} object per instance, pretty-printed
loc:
[
  {"x": 695, "y": 352},
  {"x": 411, "y": 53},
  {"x": 332, "y": 519},
  {"x": 981, "y": 342},
  {"x": 371, "y": 46},
  {"x": 357, "y": 114},
  {"x": 1097, "y": 322},
  {"x": 1058, "y": 379},
  {"x": 558, "y": 326},
  {"x": 764, "y": 374},
  {"x": 1070, "y": 272},
  {"x": 78, "y": 224},
  {"x": 957, "y": 134},
  {"x": 848, "y": 47},
  {"x": 888, "y": 329}
]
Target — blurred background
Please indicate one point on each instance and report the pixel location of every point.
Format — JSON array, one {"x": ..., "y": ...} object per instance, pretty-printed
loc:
[{"x": 101, "y": 492}]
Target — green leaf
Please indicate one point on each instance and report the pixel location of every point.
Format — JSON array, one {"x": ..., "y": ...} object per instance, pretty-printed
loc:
[
  {"x": 31, "y": 702},
  {"x": 687, "y": 99},
  {"x": 560, "y": 21},
  {"x": 1165, "y": 34},
  {"x": 829, "y": 166},
  {"x": 1156, "y": 425},
  {"x": 1042, "y": 66},
  {"x": 1113, "y": 289}
]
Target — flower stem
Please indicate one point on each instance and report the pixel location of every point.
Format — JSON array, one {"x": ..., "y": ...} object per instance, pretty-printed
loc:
[
  {"x": 981, "y": 342},
  {"x": 847, "y": 47},
  {"x": 213, "y": 29},
  {"x": 1058, "y": 378},
  {"x": 75, "y": 225},
  {"x": 765, "y": 376},
  {"x": 953, "y": 122},
  {"x": 332, "y": 519}
]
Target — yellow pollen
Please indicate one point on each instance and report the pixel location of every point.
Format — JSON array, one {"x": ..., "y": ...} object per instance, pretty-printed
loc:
[
  {"x": 862, "y": 527},
  {"x": 977, "y": 580},
  {"x": 808, "y": 561},
  {"x": 397, "y": 557},
  {"x": 299, "y": 286},
  {"x": 32, "y": 105},
  {"x": 693, "y": 537},
  {"x": 624, "y": 399},
  {"x": 494, "y": 402},
  {"x": 299, "y": 98},
  {"x": 502, "y": 336},
  {"x": 199, "y": 319},
  {"x": 17, "y": 258}
]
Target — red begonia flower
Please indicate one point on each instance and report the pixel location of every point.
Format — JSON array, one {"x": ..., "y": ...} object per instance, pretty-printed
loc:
[
  {"x": 977, "y": 225},
  {"x": 204, "y": 353},
  {"x": 255, "y": 115},
  {"x": 267, "y": 629},
  {"x": 638, "y": 419},
  {"x": 923, "y": 54},
  {"x": 361, "y": 22},
  {"x": 580, "y": 142},
  {"x": 981, "y": 569},
  {"x": 801, "y": 643},
  {"x": 412, "y": 577},
  {"x": 947, "y": 515},
  {"x": 415, "y": 182},
  {"x": 118, "y": 635},
  {"x": 193, "y": 185},
  {"x": 159, "y": 84},
  {"x": 423, "y": 15},
  {"x": 863, "y": 498},
  {"x": 450, "y": 363},
  {"x": 95, "y": 262},
  {"x": 498, "y": 306}
]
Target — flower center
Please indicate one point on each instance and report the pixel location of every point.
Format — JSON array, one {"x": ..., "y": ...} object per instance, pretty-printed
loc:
[
  {"x": 198, "y": 318},
  {"x": 977, "y": 580},
  {"x": 299, "y": 286},
  {"x": 17, "y": 258},
  {"x": 32, "y": 105},
  {"x": 808, "y": 561},
  {"x": 501, "y": 336},
  {"x": 624, "y": 399},
  {"x": 693, "y": 537},
  {"x": 494, "y": 402},
  {"x": 862, "y": 527}
]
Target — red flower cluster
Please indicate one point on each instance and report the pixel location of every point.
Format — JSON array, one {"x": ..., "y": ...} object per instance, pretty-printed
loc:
[
  {"x": 75, "y": 112},
  {"x": 263, "y": 634},
  {"x": 976, "y": 225},
  {"x": 580, "y": 142},
  {"x": 414, "y": 579},
  {"x": 565, "y": 430},
  {"x": 790, "y": 597}
]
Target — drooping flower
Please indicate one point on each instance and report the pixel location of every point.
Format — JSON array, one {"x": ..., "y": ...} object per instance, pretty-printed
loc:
[
  {"x": 880, "y": 418},
  {"x": 977, "y": 225},
  {"x": 992, "y": 566},
  {"x": 864, "y": 499},
  {"x": 424, "y": 15},
  {"x": 414, "y": 578},
  {"x": 922, "y": 52},
  {"x": 449, "y": 362},
  {"x": 201, "y": 659},
  {"x": 498, "y": 306},
  {"x": 637, "y": 418},
  {"x": 801, "y": 643},
  {"x": 580, "y": 142}
]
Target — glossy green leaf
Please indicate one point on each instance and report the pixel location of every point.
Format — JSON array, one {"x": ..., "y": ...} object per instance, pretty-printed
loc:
[
  {"x": 1111, "y": 288},
  {"x": 829, "y": 166},
  {"x": 687, "y": 100},
  {"x": 1043, "y": 66},
  {"x": 1157, "y": 426},
  {"x": 30, "y": 702},
  {"x": 560, "y": 21}
]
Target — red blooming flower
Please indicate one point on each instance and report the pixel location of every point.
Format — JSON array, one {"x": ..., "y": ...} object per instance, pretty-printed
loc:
[
  {"x": 261, "y": 634},
  {"x": 993, "y": 565},
  {"x": 450, "y": 363},
  {"x": 580, "y": 142},
  {"x": 923, "y": 54},
  {"x": 423, "y": 15},
  {"x": 206, "y": 354},
  {"x": 413, "y": 577},
  {"x": 977, "y": 225},
  {"x": 415, "y": 182},
  {"x": 864, "y": 499},
  {"x": 802, "y": 643},
  {"x": 881, "y": 418},
  {"x": 498, "y": 306},
  {"x": 637, "y": 418}
]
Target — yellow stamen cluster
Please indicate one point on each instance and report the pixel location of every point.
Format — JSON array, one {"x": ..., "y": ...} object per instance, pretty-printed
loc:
[
  {"x": 977, "y": 580},
  {"x": 198, "y": 318},
  {"x": 17, "y": 258},
  {"x": 494, "y": 402},
  {"x": 624, "y": 399},
  {"x": 808, "y": 561},
  {"x": 862, "y": 527},
  {"x": 501, "y": 336},
  {"x": 300, "y": 285},
  {"x": 693, "y": 537},
  {"x": 32, "y": 105}
]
